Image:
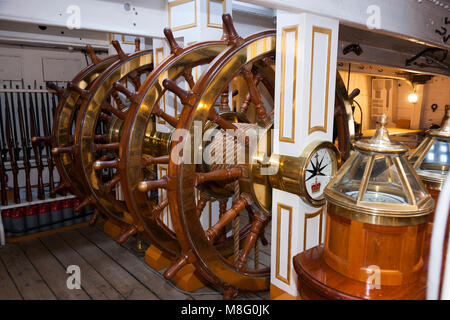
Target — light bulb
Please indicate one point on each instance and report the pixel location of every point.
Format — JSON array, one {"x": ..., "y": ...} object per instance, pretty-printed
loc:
[{"x": 412, "y": 98}]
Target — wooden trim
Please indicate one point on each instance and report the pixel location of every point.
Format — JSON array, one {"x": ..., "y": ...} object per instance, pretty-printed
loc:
[
  {"x": 208, "y": 13},
  {"x": 305, "y": 226},
  {"x": 177, "y": 3},
  {"x": 285, "y": 30},
  {"x": 329, "y": 33},
  {"x": 277, "y": 271},
  {"x": 128, "y": 42}
]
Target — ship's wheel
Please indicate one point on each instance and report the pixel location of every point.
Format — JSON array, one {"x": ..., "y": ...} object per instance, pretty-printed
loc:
[
  {"x": 64, "y": 123},
  {"x": 221, "y": 252},
  {"x": 101, "y": 109},
  {"x": 252, "y": 59},
  {"x": 144, "y": 151}
]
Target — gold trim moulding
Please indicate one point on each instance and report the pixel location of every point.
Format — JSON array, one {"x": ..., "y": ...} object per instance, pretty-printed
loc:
[
  {"x": 277, "y": 270},
  {"x": 431, "y": 183},
  {"x": 285, "y": 30},
  {"x": 208, "y": 13},
  {"x": 127, "y": 42},
  {"x": 328, "y": 32},
  {"x": 382, "y": 214},
  {"x": 305, "y": 226},
  {"x": 177, "y": 3}
]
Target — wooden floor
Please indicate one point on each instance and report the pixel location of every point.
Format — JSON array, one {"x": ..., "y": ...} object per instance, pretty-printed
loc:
[{"x": 36, "y": 269}]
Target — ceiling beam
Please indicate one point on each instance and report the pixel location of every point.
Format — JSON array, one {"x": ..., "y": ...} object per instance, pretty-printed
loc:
[
  {"x": 142, "y": 18},
  {"x": 415, "y": 20}
]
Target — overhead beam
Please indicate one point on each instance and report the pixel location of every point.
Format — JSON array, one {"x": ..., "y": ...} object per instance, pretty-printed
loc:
[
  {"x": 387, "y": 58},
  {"x": 415, "y": 20},
  {"x": 144, "y": 18}
]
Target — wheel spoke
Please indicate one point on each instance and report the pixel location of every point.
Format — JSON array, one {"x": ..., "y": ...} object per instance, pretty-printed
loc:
[
  {"x": 119, "y": 114},
  {"x": 250, "y": 241},
  {"x": 248, "y": 97},
  {"x": 224, "y": 101},
  {"x": 118, "y": 100},
  {"x": 187, "y": 75},
  {"x": 106, "y": 146},
  {"x": 135, "y": 78},
  {"x": 224, "y": 124},
  {"x": 100, "y": 165},
  {"x": 105, "y": 117},
  {"x": 218, "y": 175},
  {"x": 170, "y": 119},
  {"x": 201, "y": 204},
  {"x": 94, "y": 58},
  {"x": 111, "y": 183},
  {"x": 157, "y": 210},
  {"x": 100, "y": 137},
  {"x": 254, "y": 95},
  {"x": 212, "y": 232},
  {"x": 145, "y": 186},
  {"x": 147, "y": 160},
  {"x": 120, "y": 53},
  {"x": 130, "y": 94}
]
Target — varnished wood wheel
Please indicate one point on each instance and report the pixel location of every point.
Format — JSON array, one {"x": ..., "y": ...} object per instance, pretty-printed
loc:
[
  {"x": 229, "y": 270},
  {"x": 343, "y": 120},
  {"x": 103, "y": 109},
  {"x": 64, "y": 122},
  {"x": 144, "y": 151}
]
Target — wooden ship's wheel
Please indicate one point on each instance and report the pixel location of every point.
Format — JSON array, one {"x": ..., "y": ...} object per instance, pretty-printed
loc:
[
  {"x": 102, "y": 111},
  {"x": 64, "y": 122},
  {"x": 220, "y": 253},
  {"x": 143, "y": 148}
]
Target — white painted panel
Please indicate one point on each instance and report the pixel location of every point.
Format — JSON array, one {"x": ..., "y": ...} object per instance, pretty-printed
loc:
[
  {"x": 55, "y": 69},
  {"x": 319, "y": 79},
  {"x": 288, "y": 81},
  {"x": 284, "y": 243},
  {"x": 182, "y": 14},
  {"x": 312, "y": 234},
  {"x": 11, "y": 68},
  {"x": 215, "y": 12}
]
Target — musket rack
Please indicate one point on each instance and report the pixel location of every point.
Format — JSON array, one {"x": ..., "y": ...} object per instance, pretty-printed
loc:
[{"x": 30, "y": 202}]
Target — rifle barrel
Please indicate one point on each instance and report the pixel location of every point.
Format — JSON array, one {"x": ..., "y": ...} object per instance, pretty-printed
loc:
[
  {"x": 12, "y": 154},
  {"x": 37, "y": 158},
  {"x": 3, "y": 186},
  {"x": 23, "y": 139},
  {"x": 47, "y": 147}
]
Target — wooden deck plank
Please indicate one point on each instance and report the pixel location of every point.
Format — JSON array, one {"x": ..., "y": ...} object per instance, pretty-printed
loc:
[
  {"x": 122, "y": 281},
  {"x": 26, "y": 278},
  {"x": 91, "y": 281},
  {"x": 8, "y": 290},
  {"x": 53, "y": 273},
  {"x": 148, "y": 277},
  {"x": 216, "y": 296}
]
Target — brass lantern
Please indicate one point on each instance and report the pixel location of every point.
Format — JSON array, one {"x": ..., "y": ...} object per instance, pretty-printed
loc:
[
  {"x": 432, "y": 158},
  {"x": 377, "y": 214}
]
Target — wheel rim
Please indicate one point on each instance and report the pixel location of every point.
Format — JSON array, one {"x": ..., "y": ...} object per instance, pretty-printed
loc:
[
  {"x": 87, "y": 121},
  {"x": 63, "y": 122},
  {"x": 181, "y": 199},
  {"x": 141, "y": 125}
]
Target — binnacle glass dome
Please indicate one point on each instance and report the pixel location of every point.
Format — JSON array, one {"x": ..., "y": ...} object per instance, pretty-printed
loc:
[
  {"x": 377, "y": 180},
  {"x": 432, "y": 158}
]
